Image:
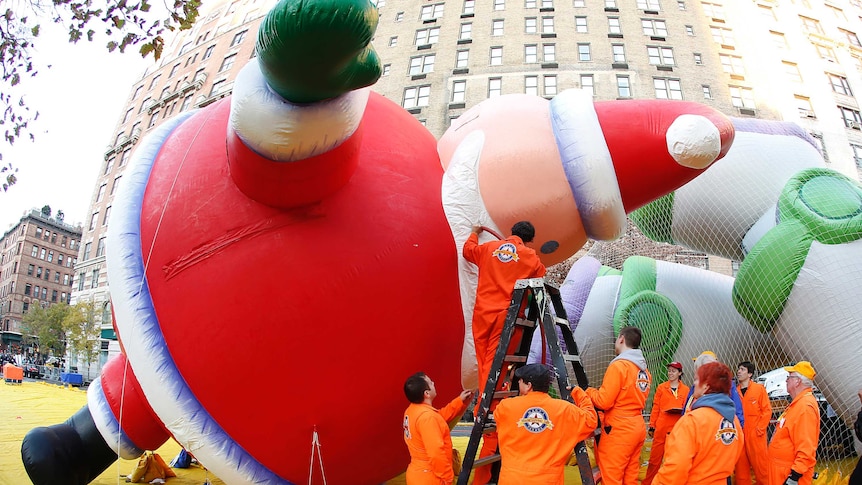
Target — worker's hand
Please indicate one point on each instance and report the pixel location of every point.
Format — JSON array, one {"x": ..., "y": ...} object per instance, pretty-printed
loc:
[
  {"x": 651, "y": 432},
  {"x": 466, "y": 395},
  {"x": 477, "y": 230},
  {"x": 793, "y": 478}
]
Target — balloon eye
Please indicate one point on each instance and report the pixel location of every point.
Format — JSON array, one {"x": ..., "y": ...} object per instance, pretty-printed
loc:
[{"x": 549, "y": 247}]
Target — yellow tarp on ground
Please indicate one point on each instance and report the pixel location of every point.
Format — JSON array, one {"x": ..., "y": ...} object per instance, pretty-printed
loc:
[{"x": 29, "y": 405}]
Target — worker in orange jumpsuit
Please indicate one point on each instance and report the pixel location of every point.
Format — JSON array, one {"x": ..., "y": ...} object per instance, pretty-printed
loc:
[
  {"x": 706, "y": 442},
  {"x": 426, "y": 432},
  {"x": 667, "y": 407},
  {"x": 792, "y": 451},
  {"x": 758, "y": 412},
  {"x": 622, "y": 396},
  {"x": 501, "y": 263},
  {"x": 537, "y": 432}
]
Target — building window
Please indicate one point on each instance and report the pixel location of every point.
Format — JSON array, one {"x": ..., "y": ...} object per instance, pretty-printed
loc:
[
  {"x": 549, "y": 53},
  {"x": 839, "y": 84},
  {"x": 499, "y": 4},
  {"x": 821, "y": 145},
  {"x": 767, "y": 12},
  {"x": 227, "y": 63},
  {"x": 81, "y": 282},
  {"x": 850, "y": 117},
  {"x": 580, "y": 25},
  {"x": 50, "y": 257},
  {"x": 101, "y": 192},
  {"x": 469, "y": 6},
  {"x": 187, "y": 101},
  {"x": 144, "y": 105},
  {"x": 107, "y": 216},
  {"x": 531, "y": 54},
  {"x": 722, "y": 36},
  {"x": 654, "y": 28},
  {"x": 39, "y": 272},
  {"x": 53, "y": 295},
  {"x": 462, "y": 59},
  {"x": 619, "y": 52},
  {"x": 416, "y": 97},
  {"x": 66, "y": 279},
  {"x": 803, "y": 104},
  {"x": 100, "y": 249},
  {"x": 386, "y": 69},
  {"x": 35, "y": 251},
  {"x": 153, "y": 119},
  {"x": 238, "y": 38},
  {"x": 529, "y": 3},
  {"x": 60, "y": 259},
  {"x": 547, "y": 4},
  {"x": 588, "y": 84},
  {"x": 548, "y": 25},
  {"x": 742, "y": 97},
  {"x": 427, "y": 36},
  {"x": 825, "y": 52},
  {"x": 217, "y": 87},
  {"x": 208, "y": 53},
  {"x": 648, "y": 5},
  {"x": 93, "y": 219},
  {"x": 680, "y": 4},
  {"x": 497, "y": 27},
  {"x": 95, "y": 281},
  {"x": 610, "y": 3},
  {"x": 466, "y": 31},
  {"x": 584, "y": 52},
  {"x": 429, "y": 12},
  {"x": 421, "y": 64},
  {"x": 531, "y": 85},
  {"x": 56, "y": 276},
  {"x": 857, "y": 154},
  {"x": 530, "y": 25},
  {"x": 698, "y": 59},
  {"x": 667, "y": 88},
  {"x": 791, "y": 69},
  {"x": 393, "y": 41},
  {"x": 30, "y": 269},
  {"x": 660, "y": 56},
  {"x": 495, "y": 87},
  {"x": 496, "y": 56},
  {"x": 707, "y": 93},
  {"x": 459, "y": 90},
  {"x": 87, "y": 249},
  {"x": 174, "y": 69},
  {"x": 689, "y": 30},
  {"x": 731, "y": 64},
  {"x": 550, "y": 82},
  {"x": 27, "y": 289},
  {"x": 812, "y": 26},
  {"x": 399, "y": 17},
  {"x": 580, "y": 3},
  {"x": 42, "y": 253},
  {"x": 836, "y": 12},
  {"x": 614, "y": 25},
  {"x": 138, "y": 92},
  {"x": 128, "y": 115},
  {"x": 115, "y": 185},
  {"x": 713, "y": 10},
  {"x": 155, "y": 81}
]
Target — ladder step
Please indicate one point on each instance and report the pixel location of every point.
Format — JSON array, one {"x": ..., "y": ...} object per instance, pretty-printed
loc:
[
  {"x": 571, "y": 358},
  {"x": 597, "y": 475},
  {"x": 505, "y": 394},
  {"x": 515, "y": 358},
  {"x": 526, "y": 323},
  {"x": 486, "y": 460},
  {"x": 561, "y": 321}
]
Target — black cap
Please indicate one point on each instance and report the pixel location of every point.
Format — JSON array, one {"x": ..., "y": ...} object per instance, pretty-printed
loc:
[{"x": 539, "y": 375}]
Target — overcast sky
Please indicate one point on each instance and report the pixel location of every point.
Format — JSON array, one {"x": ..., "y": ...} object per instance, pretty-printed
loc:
[{"x": 79, "y": 99}]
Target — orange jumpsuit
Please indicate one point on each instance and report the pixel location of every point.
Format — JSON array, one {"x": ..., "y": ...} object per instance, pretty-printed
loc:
[
  {"x": 703, "y": 447},
  {"x": 538, "y": 434},
  {"x": 426, "y": 433},
  {"x": 662, "y": 419},
  {"x": 622, "y": 396},
  {"x": 758, "y": 412},
  {"x": 794, "y": 442},
  {"x": 501, "y": 264}
]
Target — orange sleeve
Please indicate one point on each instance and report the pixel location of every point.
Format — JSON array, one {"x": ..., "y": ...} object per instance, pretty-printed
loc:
[
  {"x": 680, "y": 449},
  {"x": 804, "y": 436},
  {"x": 656, "y": 406},
  {"x": 585, "y": 409},
  {"x": 471, "y": 249},
  {"x": 765, "y": 412},
  {"x": 605, "y": 396},
  {"x": 540, "y": 269},
  {"x": 454, "y": 410},
  {"x": 433, "y": 431}
]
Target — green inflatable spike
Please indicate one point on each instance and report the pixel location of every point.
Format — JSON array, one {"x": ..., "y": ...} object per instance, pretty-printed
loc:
[
  {"x": 314, "y": 50},
  {"x": 655, "y": 219},
  {"x": 640, "y": 306},
  {"x": 816, "y": 204}
]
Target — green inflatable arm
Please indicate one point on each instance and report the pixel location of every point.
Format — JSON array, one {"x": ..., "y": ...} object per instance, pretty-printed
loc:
[
  {"x": 816, "y": 204},
  {"x": 311, "y": 50}
]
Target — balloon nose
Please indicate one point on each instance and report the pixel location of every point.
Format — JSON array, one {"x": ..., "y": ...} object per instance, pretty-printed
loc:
[{"x": 693, "y": 141}]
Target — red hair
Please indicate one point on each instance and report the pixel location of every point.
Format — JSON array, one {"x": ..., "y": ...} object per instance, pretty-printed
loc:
[{"x": 717, "y": 376}]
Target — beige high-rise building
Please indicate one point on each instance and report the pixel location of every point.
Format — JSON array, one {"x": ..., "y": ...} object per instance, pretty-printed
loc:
[
  {"x": 37, "y": 257},
  {"x": 796, "y": 60}
]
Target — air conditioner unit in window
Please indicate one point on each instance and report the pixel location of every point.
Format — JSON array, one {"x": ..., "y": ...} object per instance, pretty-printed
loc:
[
  {"x": 807, "y": 113},
  {"x": 855, "y": 125}
]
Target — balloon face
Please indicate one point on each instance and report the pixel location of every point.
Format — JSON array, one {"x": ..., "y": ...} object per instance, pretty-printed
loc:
[{"x": 280, "y": 323}]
